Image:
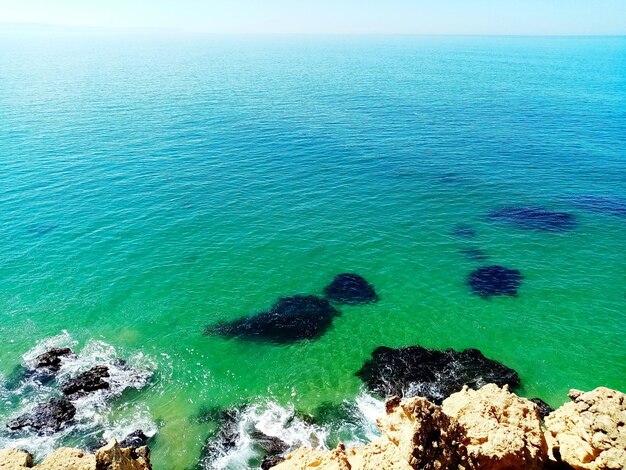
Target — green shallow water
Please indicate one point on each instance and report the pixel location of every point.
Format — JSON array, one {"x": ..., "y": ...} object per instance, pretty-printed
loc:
[{"x": 151, "y": 187}]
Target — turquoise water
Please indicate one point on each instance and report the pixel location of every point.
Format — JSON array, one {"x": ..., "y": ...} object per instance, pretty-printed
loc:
[{"x": 153, "y": 186}]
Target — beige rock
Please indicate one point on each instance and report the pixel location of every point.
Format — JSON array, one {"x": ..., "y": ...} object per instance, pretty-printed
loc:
[
  {"x": 13, "y": 459},
  {"x": 415, "y": 434},
  {"x": 502, "y": 430},
  {"x": 113, "y": 457},
  {"x": 425, "y": 437},
  {"x": 589, "y": 433},
  {"x": 68, "y": 459},
  {"x": 109, "y": 457}
]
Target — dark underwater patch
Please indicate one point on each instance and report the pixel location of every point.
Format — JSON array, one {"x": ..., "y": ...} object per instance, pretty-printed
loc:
[
  {"x": 42, "y": 229},
  {"x": 418, "y": 371},
  {"x": 290, "y": 319},
  {"x": 475, "y": 254},
  {"x": 534, "y": 218},
  {"x": 602, "y": 204},
  {"x": 463, "y": 231},
  {"x": 350, "y": 288},
  {"x": 489, "y": 281}
]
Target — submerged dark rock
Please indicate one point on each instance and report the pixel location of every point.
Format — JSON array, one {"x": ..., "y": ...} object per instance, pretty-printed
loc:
[
  {"x": 534, "y": 218},
  {"x": 51, "y": 359},
  {"x": 488, "y": 281},
  {"x": 418, "y": 371},
  {"x": 602, "y": 204},
  {"x": 226, "y": 437},
  {"x": 47, "y": 417},
  {"x": 475, "y": 254},
  {"x": 464, "y": 231},
  {"x": 290, "y": 319},
  {"x": 349, "y": 288},
  {"x": 87, "y": 382},
  {"x": 542, "y": 407}
]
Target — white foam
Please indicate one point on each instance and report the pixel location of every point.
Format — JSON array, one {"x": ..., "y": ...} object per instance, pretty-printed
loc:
[
  {"x": 282, "y": 422},
  {"x": 93, "y": 411}
]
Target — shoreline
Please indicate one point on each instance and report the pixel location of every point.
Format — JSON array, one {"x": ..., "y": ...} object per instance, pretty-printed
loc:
[{"x": 489, "y": 428}]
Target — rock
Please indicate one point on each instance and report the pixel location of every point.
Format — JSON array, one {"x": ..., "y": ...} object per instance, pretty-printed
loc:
[
  {"x": 487, "y": 429},
  {"x": 87, "y": 382},
  {"x": 13, "y": 459},
  {"x": 66, "y": 458},
  {"x": 501, "y": 430},
  {"x": 348, "y": 288},
  {"x": 542, "y": 407},
  {"x": 271, "y": 461},
  {"x": 488, "y": 281},
  {"x": 418, "y": 371},
  {"x": 426, "y": 438},
  {"x": 114, "y": 457},
  {"x": 590, "y": 432},
  {"x": 51, "y": 359},
  {"x": 271, "y": 445},
  {"x": 290, "y": 319},
  {"x": 135, "y": 439},
  {"x": 46, "y": 417},
  {"x": 603, "y": 204},
  {"x": 226, "y": 437},
  {"x": 534, "y": 218}
]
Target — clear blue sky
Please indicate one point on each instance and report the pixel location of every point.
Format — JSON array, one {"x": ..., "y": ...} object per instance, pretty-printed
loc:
[{"x": 331, "y": 16}]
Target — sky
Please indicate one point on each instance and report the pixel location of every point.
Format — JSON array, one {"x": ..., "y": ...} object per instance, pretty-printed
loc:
[{"x": 516, "y": 17}]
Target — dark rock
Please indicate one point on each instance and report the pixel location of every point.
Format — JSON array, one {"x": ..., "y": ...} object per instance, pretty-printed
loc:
[
  {"x": 51, "y": 359},
  {"x": 290, "y": 319},
  {"x": 270, "y": 445},
  {"x": 87, "y": 382},
  {"x": 135, "y": 439},
  {"x": 47, "y": 417},
  {"x": 464, "y": 231},
  {"x": 603, "y": 204},
  {"x": 224, "y": 439},
  {"x": 542, "y": 407},
  {"x": 534, "y": 218},
  {"x": 417, "y": 371},
  {"x": 475, "y": 254},
  {"x": 348, "y": 288},
  {"x": 488, "y": 281},
  {"x": 270, "y": 461}
]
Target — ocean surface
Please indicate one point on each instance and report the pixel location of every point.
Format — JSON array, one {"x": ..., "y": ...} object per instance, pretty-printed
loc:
[{"x": 153, "y": 186}]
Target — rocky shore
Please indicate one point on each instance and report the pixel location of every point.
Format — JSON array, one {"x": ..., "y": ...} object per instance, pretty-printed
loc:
[
  {"x": 491, "y": 429},
  {"x": 109, "y": 457}
]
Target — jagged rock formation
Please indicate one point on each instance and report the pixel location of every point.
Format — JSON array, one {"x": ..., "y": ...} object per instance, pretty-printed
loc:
[
  {"x": 589, "y": 433},
  {"x": 489, "y": 429},
  {"x": 45, "y": 418},
  {"x": 417, "y": 371},
  {"x": 12, "y": 459},
  {"x": 109, "y": 457},
  {"x": 86, "y": 382},
  {"x": 500, "y": 430}
]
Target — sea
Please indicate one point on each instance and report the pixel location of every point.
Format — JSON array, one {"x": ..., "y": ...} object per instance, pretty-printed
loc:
[{"x": 152, "y": 186}]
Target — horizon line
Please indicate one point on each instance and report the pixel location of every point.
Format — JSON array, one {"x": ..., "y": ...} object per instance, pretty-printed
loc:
[{"x": 146, "y": 29}]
